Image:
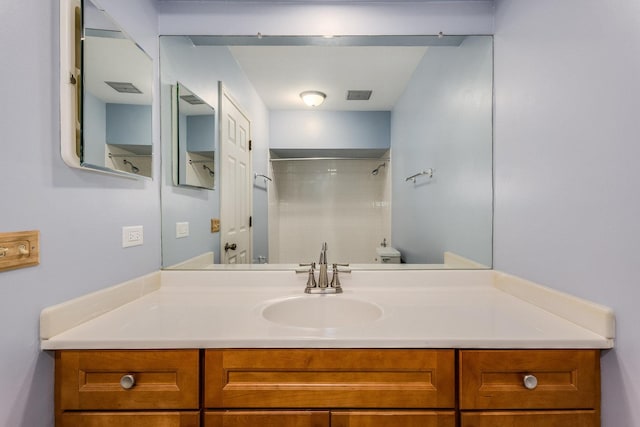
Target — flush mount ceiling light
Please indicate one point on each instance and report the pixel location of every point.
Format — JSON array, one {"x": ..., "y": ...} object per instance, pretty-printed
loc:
[{"x": 313, "y": 98}]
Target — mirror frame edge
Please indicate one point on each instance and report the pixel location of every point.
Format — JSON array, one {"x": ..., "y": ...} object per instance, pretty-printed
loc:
[{"x": 69, "y": 96}]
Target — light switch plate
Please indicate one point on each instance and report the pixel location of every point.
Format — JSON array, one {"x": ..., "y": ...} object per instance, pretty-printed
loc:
[
  {"x": 215, "y": 225},
  {"x": 182, "y": 229},
  {"x": 19, "y": 249},
  {"x": 132, "y": 236}
]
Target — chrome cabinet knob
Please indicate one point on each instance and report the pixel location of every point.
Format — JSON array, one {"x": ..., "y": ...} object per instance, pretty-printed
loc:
[
  {"x": 127, "y": 381},
  {"x": 530, "y": 382}
]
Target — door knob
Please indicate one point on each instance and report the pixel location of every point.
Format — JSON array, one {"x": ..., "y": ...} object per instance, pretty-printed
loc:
[{"x": 228, "y": 246}]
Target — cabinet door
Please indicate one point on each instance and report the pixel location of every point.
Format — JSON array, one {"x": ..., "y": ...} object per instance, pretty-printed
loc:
[
  {"x": 130, "y": 419},
  {"x": 561, "y": 379},
  {"x": 266, "y": 419},
  {"x": 531, "y": 419},
  {"x": 393, "y": 418},
  {"x": 335, "y": 378},
  {"x": 158, "y": 379}
]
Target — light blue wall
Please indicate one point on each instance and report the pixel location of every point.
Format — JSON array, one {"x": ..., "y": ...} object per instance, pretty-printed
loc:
[
  {"x": 128, "y": 124},
  {"x": 329, "y": 129},
  {"x": 79, "y": 213},
  {"x": 200, "y": 70},
  {"x": 200, "y": 133},
  {"x": 567, "y": 208},
  {"x": 94, "y": 130},
  {"x": 443, "y": 121}
]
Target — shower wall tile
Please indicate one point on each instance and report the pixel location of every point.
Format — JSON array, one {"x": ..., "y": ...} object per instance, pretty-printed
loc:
[{"x": 337, "y": 201}]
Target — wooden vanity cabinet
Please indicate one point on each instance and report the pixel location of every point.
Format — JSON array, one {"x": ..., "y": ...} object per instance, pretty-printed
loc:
[
  {"x": 328, "y": 387},
  {"x": 529, "y": 388}
]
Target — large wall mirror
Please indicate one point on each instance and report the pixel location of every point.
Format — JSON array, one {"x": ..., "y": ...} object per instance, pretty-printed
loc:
[
  {"x": 391, "y": 165},
  {"x": 112, "y": 81}
]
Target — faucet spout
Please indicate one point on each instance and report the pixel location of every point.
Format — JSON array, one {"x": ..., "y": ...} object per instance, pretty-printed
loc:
[{"x": 323, "y": 279}]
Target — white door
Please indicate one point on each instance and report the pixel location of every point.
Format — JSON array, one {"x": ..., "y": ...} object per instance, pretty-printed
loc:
[{"x": 235, "y": 182}]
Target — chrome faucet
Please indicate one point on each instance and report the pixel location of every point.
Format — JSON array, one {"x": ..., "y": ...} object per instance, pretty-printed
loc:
[
  {"x": 323, "y": 277},
  {"x": 323, "y": 286}
]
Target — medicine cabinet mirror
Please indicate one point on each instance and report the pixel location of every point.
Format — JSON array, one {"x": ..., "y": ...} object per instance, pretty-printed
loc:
[
  {"x": 106, "y": 94},
  {"x": 395, "y": 178},
  {"x": 194, "y": 131}
]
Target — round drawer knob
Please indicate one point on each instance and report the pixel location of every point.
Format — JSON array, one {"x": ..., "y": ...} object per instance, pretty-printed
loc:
[
  {"x": 127, "y": 381},
  {"x": 530, "y": 382}
]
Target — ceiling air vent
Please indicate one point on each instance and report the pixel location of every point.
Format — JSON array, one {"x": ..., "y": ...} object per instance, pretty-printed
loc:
[
  {"x": 192, "y": 99},
  {"x": 358, "y": 95},
  {"x": 124, "y": 87}
]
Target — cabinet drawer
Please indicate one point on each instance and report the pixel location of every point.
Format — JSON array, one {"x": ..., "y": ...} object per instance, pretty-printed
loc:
[
  {"x": 329, "y": 378},
  {"x": 164, "y": 379},
  {"x": 266, "y": 419},
  {"x": 393, "y": 419},
  {"x": 495, "y": 379},
  {"x": 531, "y": 419},
  {"x": 131, "y": 419}
]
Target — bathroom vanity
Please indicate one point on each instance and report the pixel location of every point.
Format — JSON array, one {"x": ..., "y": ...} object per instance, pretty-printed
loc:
[{"x": 446, "y": 349}]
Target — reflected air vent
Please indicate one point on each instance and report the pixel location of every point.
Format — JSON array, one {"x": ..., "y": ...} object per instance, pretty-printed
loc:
[
  {"x": 192, "y": 99},
  {"x": 358, "y": 95},
  {"x": 124, "y": 87}
]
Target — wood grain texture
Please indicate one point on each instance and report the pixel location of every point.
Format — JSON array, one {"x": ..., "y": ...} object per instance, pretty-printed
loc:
[
  {"x": 130, "y": 419},
  {"x": 266, "y": 419},
  {"x": 393, "y": 418},
  {"x": 335, "y": 378},
  {"x": 10, "y": 245},
  {"x": 90, "y": 380},
  {"x": 531, "y": 419},
  {"x": 493, "y": 379}
]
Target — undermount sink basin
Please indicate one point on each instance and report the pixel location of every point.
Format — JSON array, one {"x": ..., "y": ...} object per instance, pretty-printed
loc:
[{"x": 321, "y": 311}]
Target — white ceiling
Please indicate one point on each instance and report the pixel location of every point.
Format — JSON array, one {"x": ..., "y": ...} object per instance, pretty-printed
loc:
[
  {"x": 281, "y": 73},
  {"x": 117, "y": 60}
]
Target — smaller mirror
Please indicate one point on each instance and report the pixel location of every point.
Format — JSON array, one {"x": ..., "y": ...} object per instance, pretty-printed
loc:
[
  {"x": 194, "y": 139},
  {"x": 106, "y": 94},
  {"x": 117, "y": 98}
]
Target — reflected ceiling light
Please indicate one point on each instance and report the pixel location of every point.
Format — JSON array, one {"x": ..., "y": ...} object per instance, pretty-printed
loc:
[{"x": 313, "y": 98}]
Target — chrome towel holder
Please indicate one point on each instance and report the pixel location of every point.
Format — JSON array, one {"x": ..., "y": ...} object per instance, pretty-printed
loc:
[
  {"x": 256, "y": 175},
  {"x": 428, "y": 172}
]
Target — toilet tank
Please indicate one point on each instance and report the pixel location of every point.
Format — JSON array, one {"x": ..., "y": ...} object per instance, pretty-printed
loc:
[{"x": 387, "y": 255}]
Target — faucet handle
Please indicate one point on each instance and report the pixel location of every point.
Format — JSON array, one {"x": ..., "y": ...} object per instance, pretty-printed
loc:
[
  {"x": 335, "y": 279},
  {"x": 342, "y": 270},
  {"x": 311, "y": 281}
]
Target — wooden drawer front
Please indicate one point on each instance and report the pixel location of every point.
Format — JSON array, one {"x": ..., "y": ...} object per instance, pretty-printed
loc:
[
  {"x": 266, "y": 419},
  {"x": 494, "y": 379},
  {"x": 164, "y": 379},
  {"x": 531, "y": 419},
  {"x": 393, "y": 419},
  {"x": 131, "y": 419},
  {"x": 329, "y": 378}
]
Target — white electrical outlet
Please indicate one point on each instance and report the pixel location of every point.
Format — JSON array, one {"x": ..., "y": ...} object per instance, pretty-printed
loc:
[
  {"x": 182, "y": 229},
  {"x": 132, "y": 236}
]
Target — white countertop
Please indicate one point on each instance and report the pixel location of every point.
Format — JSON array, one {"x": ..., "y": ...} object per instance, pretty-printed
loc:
[{"x": 419, "y": 310}]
